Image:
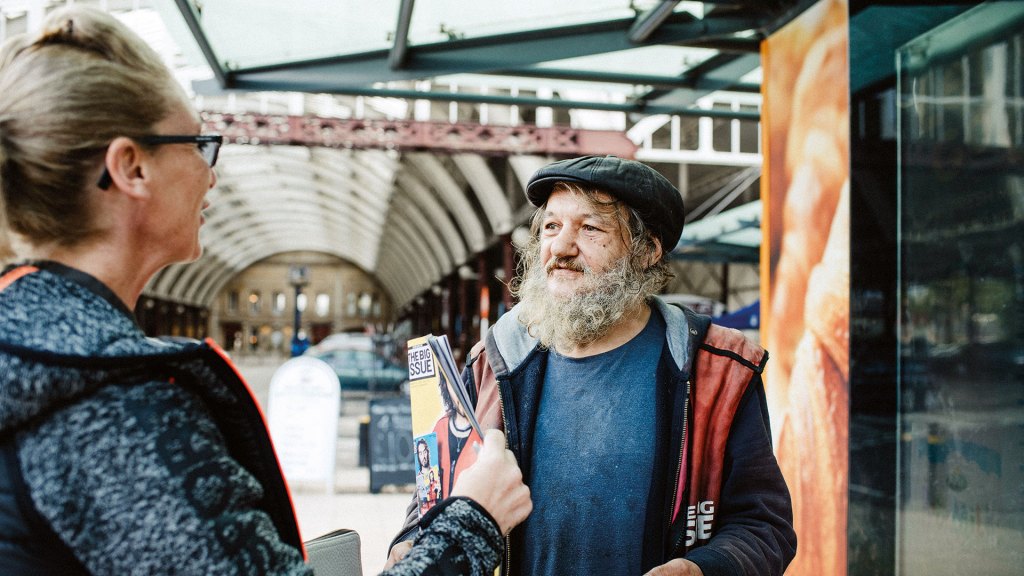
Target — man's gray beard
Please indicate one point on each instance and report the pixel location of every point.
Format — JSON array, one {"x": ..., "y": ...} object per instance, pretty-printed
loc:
[{"x": 601, "y": 300}]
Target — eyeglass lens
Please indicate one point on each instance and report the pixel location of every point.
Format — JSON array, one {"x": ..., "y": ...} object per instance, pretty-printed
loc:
[{"x": 209, "y": 150}]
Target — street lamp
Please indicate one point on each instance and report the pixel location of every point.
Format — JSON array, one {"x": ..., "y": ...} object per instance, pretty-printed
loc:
[{"x": 298, "y": 276}]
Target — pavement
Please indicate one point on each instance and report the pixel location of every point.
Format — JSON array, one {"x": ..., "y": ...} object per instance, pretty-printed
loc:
[{"x": 376, "y": 517}]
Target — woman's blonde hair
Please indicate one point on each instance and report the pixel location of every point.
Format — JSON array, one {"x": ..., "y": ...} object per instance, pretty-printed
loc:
[{"x": 65, "y": 94}]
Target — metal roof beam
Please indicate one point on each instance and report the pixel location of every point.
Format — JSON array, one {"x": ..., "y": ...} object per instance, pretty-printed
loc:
[
  {"x": 479, "y": 54},
  {"x": 399, "y": 50},
  {"x": 717, "y": 73},
  {"x": 655, "y": 80},
  {"x": 192, "y": 21},
  {"x": 648, "y": 22}
]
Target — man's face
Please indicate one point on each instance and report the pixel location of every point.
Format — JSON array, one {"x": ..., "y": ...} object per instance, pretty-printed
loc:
[
  {"x": 576, "y": 237},
  {"x": 424, "y": 454}
]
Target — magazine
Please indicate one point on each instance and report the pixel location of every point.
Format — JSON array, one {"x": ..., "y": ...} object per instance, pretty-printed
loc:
[{"x": 445, "y": 431}]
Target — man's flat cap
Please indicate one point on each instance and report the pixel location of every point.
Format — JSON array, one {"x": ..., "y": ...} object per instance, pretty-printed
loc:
[{"x": 639, "y": 186}]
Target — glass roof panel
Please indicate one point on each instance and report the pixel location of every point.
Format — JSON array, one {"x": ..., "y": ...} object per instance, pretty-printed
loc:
[
  {"x": 261, "y": 40},
  {"x": 659, "y": 60},
  {"x": 441, "y": 20},
  {"x": 248, "y": 33}
]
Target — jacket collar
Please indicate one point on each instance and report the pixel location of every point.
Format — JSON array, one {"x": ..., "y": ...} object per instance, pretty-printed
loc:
[{"x": 514, "y": 344}]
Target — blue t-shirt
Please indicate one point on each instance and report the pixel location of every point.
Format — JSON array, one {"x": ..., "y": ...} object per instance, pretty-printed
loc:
[{"x": 592, "y": 459}]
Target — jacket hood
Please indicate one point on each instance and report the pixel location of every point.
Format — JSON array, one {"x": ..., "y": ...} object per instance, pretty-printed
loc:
[
  {"x": 514, "y": 343},
  {"x": 61, "y": 341}
]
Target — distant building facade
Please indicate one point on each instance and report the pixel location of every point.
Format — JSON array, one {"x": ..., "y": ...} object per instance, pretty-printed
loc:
[{"x": 255, "y": 312}]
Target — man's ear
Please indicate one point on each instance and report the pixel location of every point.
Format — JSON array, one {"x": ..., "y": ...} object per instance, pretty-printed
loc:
[
  {"x": 656, "y": 255},
  {"x": 124, "y": 163}
]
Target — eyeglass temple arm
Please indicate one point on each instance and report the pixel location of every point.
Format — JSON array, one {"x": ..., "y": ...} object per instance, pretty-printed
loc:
[{"x": 105, "y": 179}]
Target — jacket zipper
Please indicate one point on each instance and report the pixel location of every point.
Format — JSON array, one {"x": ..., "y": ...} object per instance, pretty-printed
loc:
[
  {"x": 507, "y": 564},
  {"x": 679, "y": 467}
]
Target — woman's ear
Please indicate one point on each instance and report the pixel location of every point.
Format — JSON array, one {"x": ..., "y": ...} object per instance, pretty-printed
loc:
[{"x": 124, "y": 163}]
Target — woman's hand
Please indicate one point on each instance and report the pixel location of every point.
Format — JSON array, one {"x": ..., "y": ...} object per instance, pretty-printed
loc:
[
  {"x": 398, "y": 551},
  {"x": 495, "y": 482}
]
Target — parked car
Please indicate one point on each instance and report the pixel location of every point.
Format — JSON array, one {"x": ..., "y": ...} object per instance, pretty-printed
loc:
[{"x": 358, "y": 361}]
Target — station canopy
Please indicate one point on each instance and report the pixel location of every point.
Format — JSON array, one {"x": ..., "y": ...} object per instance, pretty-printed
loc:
[{"x": 398, "y": 134}]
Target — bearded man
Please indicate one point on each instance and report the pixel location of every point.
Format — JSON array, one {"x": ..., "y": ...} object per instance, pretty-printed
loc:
[{"x": 641, "y": 429}]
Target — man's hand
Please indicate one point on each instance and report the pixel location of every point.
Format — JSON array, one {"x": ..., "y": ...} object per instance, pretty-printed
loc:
[
  {"x": 398, "y": 552},
  {"x": 677, "y": 567},
  {"x": 495, "y": 482}
]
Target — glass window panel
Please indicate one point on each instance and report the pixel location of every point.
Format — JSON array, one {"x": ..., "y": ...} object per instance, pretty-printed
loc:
[
  {"x": 961, "y": 281},
  {"x": 323, "y": 304},
  {"x": 365, "y": 303}
]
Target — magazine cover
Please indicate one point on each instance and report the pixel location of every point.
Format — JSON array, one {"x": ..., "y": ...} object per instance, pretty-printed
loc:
[{"x": 450, "y": 433}]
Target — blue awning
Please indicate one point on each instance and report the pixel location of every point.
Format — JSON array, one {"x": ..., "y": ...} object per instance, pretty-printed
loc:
[{"x": 746, "y": 318}]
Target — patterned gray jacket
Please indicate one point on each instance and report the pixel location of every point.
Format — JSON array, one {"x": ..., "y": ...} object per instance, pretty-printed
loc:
[{"x": 122, "y": 454}]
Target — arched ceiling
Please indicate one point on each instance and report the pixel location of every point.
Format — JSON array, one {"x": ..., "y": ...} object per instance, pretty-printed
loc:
[{"x": 409, "y": 219}]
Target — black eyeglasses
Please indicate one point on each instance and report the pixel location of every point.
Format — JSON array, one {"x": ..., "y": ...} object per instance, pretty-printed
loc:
[{"x": 209, "y": 147}]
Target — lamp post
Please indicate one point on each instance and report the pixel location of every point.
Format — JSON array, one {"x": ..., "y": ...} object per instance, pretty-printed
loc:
[{"x": 298, "y": 276}]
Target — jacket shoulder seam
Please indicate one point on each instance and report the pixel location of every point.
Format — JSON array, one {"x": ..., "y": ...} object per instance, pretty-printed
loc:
[{"x": 757, "y": 368}]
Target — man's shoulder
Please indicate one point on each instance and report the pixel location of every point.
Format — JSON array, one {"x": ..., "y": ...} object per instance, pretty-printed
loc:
[
  {"x": 731, "y": 342},
  {"x": 507, "y": 345},
  {"x": 477, "y": 349}
]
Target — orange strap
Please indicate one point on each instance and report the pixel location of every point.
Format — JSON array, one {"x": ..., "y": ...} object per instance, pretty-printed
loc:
[{"x": 9, "y": 278}]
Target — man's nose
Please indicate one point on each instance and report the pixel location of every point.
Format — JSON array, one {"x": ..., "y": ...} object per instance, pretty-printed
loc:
[{"x": 564, "y": 244}]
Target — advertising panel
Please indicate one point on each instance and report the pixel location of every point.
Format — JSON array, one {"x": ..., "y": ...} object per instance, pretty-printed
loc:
[{"x": 805, "y": 273}]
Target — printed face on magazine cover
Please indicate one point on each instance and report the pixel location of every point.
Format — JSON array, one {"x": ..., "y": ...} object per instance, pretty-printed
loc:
[
  {"x": 424, "y": 454},
  {"x": 460, "y": 412},
  {"x": 576, "y": 237}
]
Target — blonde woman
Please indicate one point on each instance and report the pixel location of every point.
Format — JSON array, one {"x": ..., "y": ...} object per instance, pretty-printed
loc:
[{"x": 121, "y": 454}]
